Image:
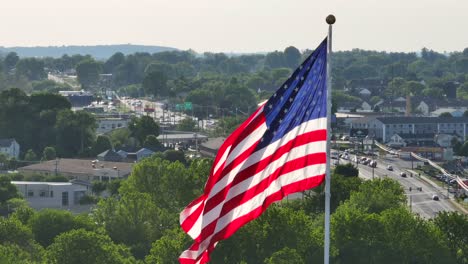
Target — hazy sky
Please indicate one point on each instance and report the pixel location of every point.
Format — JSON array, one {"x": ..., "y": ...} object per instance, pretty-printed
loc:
[{"x": 237, "y": 25}]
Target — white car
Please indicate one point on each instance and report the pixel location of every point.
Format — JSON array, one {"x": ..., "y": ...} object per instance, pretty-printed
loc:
[{"x": 389, "y": 167}]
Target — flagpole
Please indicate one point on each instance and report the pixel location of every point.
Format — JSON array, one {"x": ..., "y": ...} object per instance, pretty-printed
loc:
[{"x": 330, "y": 21}]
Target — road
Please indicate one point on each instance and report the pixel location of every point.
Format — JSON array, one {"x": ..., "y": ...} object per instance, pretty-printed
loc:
[{"x": 420, "y": 202}]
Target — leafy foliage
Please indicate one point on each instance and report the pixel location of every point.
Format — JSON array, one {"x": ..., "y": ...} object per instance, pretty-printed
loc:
[{"x": 81, "y": 246}]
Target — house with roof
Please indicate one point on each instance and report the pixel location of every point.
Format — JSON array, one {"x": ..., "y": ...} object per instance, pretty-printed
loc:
[
  {"x": 80, "y": 169},
  {"x": 354, "y": 106},
  {"x": 210, "y": 148},
  {"x": 453, "y": 111},
  {"x": 375, "y": 86},
  {"x": 393, "y": 106},
  {"x": 404, "y": 140},
  {"x": 10, "y": 147},
  {"x": 364, "y": 93},
  {"x": 143, "y": 153},
  {"x": 109, "y": 155}
]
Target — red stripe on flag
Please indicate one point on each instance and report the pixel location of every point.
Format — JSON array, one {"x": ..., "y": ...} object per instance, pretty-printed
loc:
[
  {"x": 240, "y": 199},
  {"x": 318, "y": 135}
]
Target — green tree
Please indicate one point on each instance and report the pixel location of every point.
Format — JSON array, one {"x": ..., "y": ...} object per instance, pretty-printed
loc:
[
  {"x": 23, "y": 214},
  {"x": 30, "y": 155},
  {"x": 378, "y": 195},
  {"x": 454, "y": 226},
  {"x": 133, "y": 220},
  {"x": 31, "y": 68},
  {"x": 7, "y": 189},
  {"x": 48, "y": 223},
  {"x": 88, "y": 72},
  {"x": 347, "y": 170},
  {"x": 98, "y": 187},
  {"x": 14, "y": 106},
  {"x": 102, "y": 144},
  {"x": 278, "y": 227},
  {"x": 341, "y": 187},
  {"x": 152, "y": 143},
  {"x": 445, "y": 115},
  {"x": 292, "y": 56},
  {"x": 155, "y": 176},
  {"x": 285, "y": 256},
  {"x": 275, "y": 60},
  {"x": 155, "y": 83},
  {"x": 11, "y": 253},
  {"x": 414, "y": 88},
  {"x": 187, "y": 124},
  {"x": 75, "y": 132},
  {"x": 113, "y": 62},
  {"x": 49, "y": 86},
  {"x": 141, "y": 127},
  {"x": 166, "y": 250},
  {"x": 16, "y": 237},
  {"x": 113, "y": 186},
  {"x": 465, "y": 114},
  {"x": 81, "y": 246},
  {"x": 175, "y": 155},
  {"x": 464, "y": 149},
  {"x": 119, "y": 137},
  {"x": 49, "y": 153},
  {"x": 393, "y": 235},
  {"x": 10, "y": 60}
]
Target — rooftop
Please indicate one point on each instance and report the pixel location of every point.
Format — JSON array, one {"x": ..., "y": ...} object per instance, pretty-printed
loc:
[
  {"x": 40, "y": 183},
  {"x": 6, "y": 142},
  {"x": 421, "y": 120},
  {"x": 79, "y": 166}
]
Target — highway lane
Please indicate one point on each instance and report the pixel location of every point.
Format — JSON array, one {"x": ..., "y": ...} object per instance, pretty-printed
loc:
[{"x": 420, "y": 202}]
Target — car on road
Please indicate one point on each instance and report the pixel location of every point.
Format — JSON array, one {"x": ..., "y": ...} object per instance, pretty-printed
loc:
[
  {"x": 435, "y": 197},
  {"x": 390, "y": 168},
  {"x": 403, "y": 174}
]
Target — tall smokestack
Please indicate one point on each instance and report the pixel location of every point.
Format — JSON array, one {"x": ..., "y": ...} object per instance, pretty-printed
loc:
[{"x": 408, "y": 105}]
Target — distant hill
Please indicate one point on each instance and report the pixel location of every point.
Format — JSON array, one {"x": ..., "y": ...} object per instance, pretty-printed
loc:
[{"x": 99, "y": 51}]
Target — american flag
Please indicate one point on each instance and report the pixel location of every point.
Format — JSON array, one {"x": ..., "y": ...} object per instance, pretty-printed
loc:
[{"x": 280, "y": 149}]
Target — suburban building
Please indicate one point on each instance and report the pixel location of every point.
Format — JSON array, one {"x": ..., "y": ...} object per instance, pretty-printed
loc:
[
  {"x": 83, "y": 170},
  {"x": 41, "y": 195},
  {"x": 383, "y": 128},
  {"x": 171, "y": 138},
  {"x": 107, "y": 124},
  {"x": 78, "y": 98},
  {"x": 210, "y": 148},
  {"x": 10, "y": 147}
]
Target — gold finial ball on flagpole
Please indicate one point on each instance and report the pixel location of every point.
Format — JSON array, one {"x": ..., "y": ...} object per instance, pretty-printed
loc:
[{"x": 331, "y": 19}]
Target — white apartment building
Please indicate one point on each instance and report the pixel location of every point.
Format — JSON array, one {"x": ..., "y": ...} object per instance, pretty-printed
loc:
[{"x": 41, "y": 195}]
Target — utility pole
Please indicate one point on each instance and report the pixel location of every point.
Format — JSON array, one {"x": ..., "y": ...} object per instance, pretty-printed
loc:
[
  {"x": 56, "y": 166},
  {"x": 411, "y": 203},
  {"x": 412, "y": 160}
]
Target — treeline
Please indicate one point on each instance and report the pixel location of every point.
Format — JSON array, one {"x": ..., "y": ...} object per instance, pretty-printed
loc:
[
  {"x": 370, "y": 223},
  {"x": 45, "y": 127},
  {"x": 218, "y": 84}
]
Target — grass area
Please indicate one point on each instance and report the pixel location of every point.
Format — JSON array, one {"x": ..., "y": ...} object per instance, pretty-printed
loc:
[
  {"x": 462, "y": 203},
  {"x": 123, "y": 108}
]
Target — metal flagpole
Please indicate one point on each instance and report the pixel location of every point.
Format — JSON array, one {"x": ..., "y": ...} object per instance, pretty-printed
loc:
[{"x": 330, "y": 21}]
